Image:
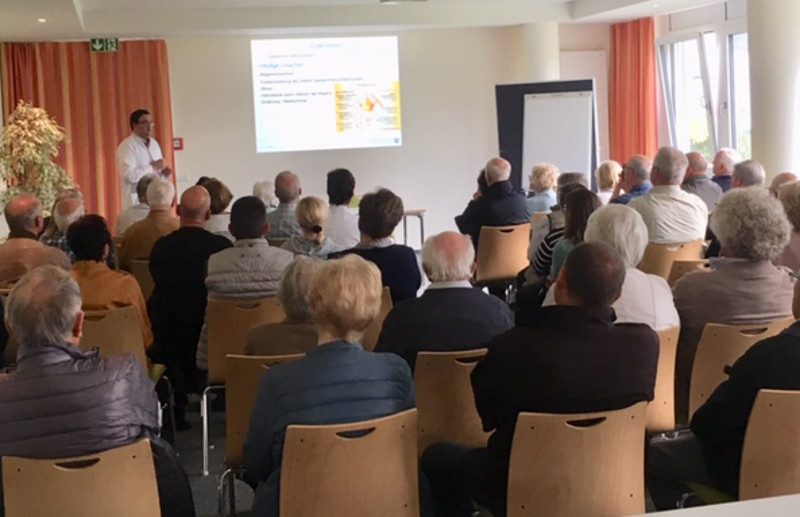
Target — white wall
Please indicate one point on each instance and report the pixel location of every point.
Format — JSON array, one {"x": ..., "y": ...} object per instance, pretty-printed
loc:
[{"x": 448, "y": 109}]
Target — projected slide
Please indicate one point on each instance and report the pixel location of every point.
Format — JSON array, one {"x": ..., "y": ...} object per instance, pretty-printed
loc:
[{"x": 333, "y": 93}]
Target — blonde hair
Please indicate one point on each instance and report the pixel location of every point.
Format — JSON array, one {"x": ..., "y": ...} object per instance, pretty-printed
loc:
[
  {"x": 789, "y": 196},
  {"x": 295, "y": 287},
  {"x": 543, "y": 176},
  {"x": 346, "y": 297},
  {"x": 312, "y": 214},
  {"x": 607, "y": 174}
]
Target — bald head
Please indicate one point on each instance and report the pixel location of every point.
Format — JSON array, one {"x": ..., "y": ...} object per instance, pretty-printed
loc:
[
  {"x": 67, "y": 211},
  {"x": 780, "y": 180},
  {"x": 724, "y": 161},
  {"x": 497, "y": 170},
  {"x": 448, "y": 257},
  {"x": 195, "y": 207},
  {"x": 697, "y": 164},
  {"x": 287, "y": 187},
  {"x": 24, "y": 214}
]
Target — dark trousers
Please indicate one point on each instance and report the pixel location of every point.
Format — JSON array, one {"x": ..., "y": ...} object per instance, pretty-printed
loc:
[
  {"x": 459, "y": 475},
  {"x": 670, "y": 463}
]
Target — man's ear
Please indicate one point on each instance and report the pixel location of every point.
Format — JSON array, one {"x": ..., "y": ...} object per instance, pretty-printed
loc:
[
  {"x": 208, "y": 215},
  {"x": 77, "y": 328},
  {"x": 265, "y": 232},
  {"x": 8, "y": 327},
  {"x": 178, "y": 209}
]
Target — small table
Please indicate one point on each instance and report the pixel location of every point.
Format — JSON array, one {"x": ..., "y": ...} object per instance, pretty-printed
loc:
[{"x": 414, "y": 212}]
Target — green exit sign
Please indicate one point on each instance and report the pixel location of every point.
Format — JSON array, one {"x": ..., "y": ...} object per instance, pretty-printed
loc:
[{"x": 104, "y": 44}]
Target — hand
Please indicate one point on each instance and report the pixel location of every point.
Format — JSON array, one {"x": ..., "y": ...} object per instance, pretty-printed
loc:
[
  {"x": 158, "y": 164},
  {"x": 166, "y": 171}
]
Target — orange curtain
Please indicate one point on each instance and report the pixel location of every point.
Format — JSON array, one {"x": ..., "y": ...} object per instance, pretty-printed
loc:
[
  {"x": 91, "y": 96},
  {"x": 633, "y": 117}
]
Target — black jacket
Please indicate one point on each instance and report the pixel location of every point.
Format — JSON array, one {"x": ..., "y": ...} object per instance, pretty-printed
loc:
[{"x": 500, "y": 205}]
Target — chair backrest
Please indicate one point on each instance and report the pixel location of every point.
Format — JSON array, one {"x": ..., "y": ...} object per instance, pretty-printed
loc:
[
  {"x": 361, "y": 468},
  {"x": 771, "y": 452},
  {"x": 119, "y": 482},
  {"x": 372, "y": 333},
  {"x": 114, "y": 331},
  {"x": 228, "y": 322},
  {"x": 661, "y": 410},
  {"x": 11, "y": 345},
  {"x": 658, "y": 258},
  {"x": 538, "y": 216},
  {"x": 276, "y": 243},
  {"x": 582, "y": 464},
  {"x": 117, "y": 241},
  {"x": 244, "y": 372},
  {"x": 681, "y": 268},
  {"x": 445, "y": 401},
  {"x": 502, "y": 252},
  {"x": 720, "y": 346},
  {"x": 140, "y": 269}
]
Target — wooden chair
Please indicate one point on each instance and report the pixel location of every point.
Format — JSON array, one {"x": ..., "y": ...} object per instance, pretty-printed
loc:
[
  {"x": 680, "y": 268},
  {"x": 140, "y": 269},
  {"x": 658, "y": 258},
  {"x": 536, "y": 217},
  {"x": 114, "y": 331},
  {"x": 228, "y": 322},
  {"x": 240, "y": 394},
  {"x": 582, "y": 464},
  {"x": 771, "y": 453},
  {"x": 445, "y": 401},
  {"x": 502, "y": 252},
  {"x": 119, "y": 482},
  {"x": 117, "y": 241},
  {"x": 720, "y": 346},
  {"x": 364, "y": 468},
  {"x": 372, "y": 333},
  {"x": 661, "y": 410},
  {"x": 11, "y": 346}
]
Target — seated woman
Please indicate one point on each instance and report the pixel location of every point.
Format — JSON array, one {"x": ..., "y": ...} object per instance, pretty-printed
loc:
[
  {"x": 335, "y": 382},
  {"x": 378, "y": 215},
  {"x": 577, "y": 209},
  {"x": 543, "y": 258},
  {"x": 541, "y": 189},
  {"x": 607, "y": 175},
  {"x": 789, "y": 196},
  {"x": 312, "y": 214},
  {"x": 103, "y": 288},
  {"x": 297, "y": 333}
]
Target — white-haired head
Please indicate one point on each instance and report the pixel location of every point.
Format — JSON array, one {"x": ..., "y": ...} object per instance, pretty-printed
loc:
[
  {"x": 622, "y": 228},
  {"x": 724, "y": 161},
  {"x": 698, "y": 165},
  {"x": 748, "y": 173},
  {"x": 67, "y": 211},
  {"x": 265, "y": 191},
  {"x": 160, "y": 194},
  {"x": 448, "y": 257},
  {"x": 781, "y": 180},
  {"x": 669, "y": 167},
  {"x": 750, "y": 224},
  {"x": 497, "y": 170}
]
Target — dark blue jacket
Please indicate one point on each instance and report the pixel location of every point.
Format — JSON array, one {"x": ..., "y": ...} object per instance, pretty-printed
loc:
[
  {"x": 500, "y": 205},
  {"x": 398, "y": 265},
  {"x": 334, "y": 383}
]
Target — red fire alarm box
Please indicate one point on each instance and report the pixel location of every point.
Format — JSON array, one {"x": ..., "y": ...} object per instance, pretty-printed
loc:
[{"x": 177, "y": 144}]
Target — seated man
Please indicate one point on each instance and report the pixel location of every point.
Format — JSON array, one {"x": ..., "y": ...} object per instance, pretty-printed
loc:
[
  {"x": 635, "y": 180},
  {"x": 342, "y": 225},
  {"x": 65, "y": 212},
  {"x": 138, "y": 240},
  {"x": 696, "y": 181},
  {"x": 724, "y": 162},
  {"x": 62, "y": 402},
  {"x": 451, "y": 314},
  {"x": 283, "y": 221},
  {"x": 500, "y": 205},
  {"x": 139, "y": 211},
  {"x": 711, "y": 455},
  {"x": 177, "y": 306},
  {"x": 569, "y": 358},
  {"x": 103, "y": 288},
  {"x": 22, "y": 251}
]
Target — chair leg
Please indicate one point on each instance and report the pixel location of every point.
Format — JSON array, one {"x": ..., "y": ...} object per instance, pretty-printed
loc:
[
  {"x": 221, "y": 492},
  {"x": 171, "y": 407},
  {"x": 232, "y": 494},
  {"x": 204, "y": 418}
]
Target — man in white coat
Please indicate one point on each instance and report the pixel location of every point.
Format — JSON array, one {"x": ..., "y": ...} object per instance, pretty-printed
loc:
[{"x": 139, "y": 155}]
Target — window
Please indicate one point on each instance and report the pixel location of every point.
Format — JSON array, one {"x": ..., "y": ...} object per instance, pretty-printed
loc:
[{"x": 740, "y": 93}]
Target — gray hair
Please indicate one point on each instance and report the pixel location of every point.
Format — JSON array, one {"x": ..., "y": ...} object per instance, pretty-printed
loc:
[
  {"x": 141, "y": 186},
  {"x": 789, "y": 196},
  {"x": 751, "y": 223},
  {"x": 727, "y": 157},
  {"x": 296, "y": 284},
  {"x": 622, "y": 228},
  {"x": 567, "y": 178},
  {"x": 42, "y": 308},
  {"x": 447, "y": 265},
  {"x": 640, "y": 165},
  {"x": 63, "y": 219},
  {"x": 750, "y": 173},
  {"x": 160, "y": 194},
  {"x": 497, "y": 169},
  {"x": 671, "y": 164},
  {"x": 697, "y": 162},
  {"x": 265, "y": 191}
]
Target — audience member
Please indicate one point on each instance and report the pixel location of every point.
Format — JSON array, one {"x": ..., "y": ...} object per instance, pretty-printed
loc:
[
  {"x": 671, "y": 214},
  {"x": 65, "y": 212},
  {"x": 22, "y": 251},
  {"x": 607, "y": 176},
  {"x": 555, "y": 219},
  {"x": 378, "y": 215},
  {"x": 635, "y": 180},
  {"x": 781, "y": 180},
  {"x": 312, "y": 216},
  {"x": 577, "y": 209},
  {"x": 748, "y": 173},
  {"x": 335, "y": 382},
  {"x": 743, "y": 286},
  {"x": 570, "y": 358},
  {"x": 250, "y": 269},
  {"x": 297, "y": 332},
  {"x": 724, "y": 161},
  {"x": 282, "y": 221},
  {"x": 711, "y": 454},
  {"x": 61, "y": 402},
  {"x": 696, "y": 181},
  {"x": 221, "y": 198},
  {"x": 139, "y": 211},
  {"x": 451, "y": 314},
  {"x": 177, "y": 306},
  {"x": 342, "y": 225},
  {"x": 789, "y": 196},
  {"x": 500, "y": 205},
  {"x": 543, "y": 256},
  {"x": 482, "y": 186},
  {"x": 50, "y": 227},
  {"x": 138, "y": 240},
  {"x": 102, "y": 288},
  {"x": 265, "y": 191},
  {"x": 541, "y": 188}
]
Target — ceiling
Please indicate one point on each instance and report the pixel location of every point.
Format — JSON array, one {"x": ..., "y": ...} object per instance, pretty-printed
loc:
[{"x": 81, "y": 19}]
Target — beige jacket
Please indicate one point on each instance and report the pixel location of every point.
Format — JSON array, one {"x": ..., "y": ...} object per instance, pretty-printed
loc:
[
  {"x": 138, "y": 240},
  {"x": 18, "y": 255}
]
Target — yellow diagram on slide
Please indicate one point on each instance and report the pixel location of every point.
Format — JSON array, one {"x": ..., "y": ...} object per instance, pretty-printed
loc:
[{"x": 367, "y": 107}]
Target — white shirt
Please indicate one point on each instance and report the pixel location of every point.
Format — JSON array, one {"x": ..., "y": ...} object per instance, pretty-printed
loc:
[
  {"x": 672, "y": 215},
  {"x": 342, "y": 227},
  {"x": 134, "y": 159},
  {"x": 131, "y": 215},
  {"x": 218, "y": 224}
]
